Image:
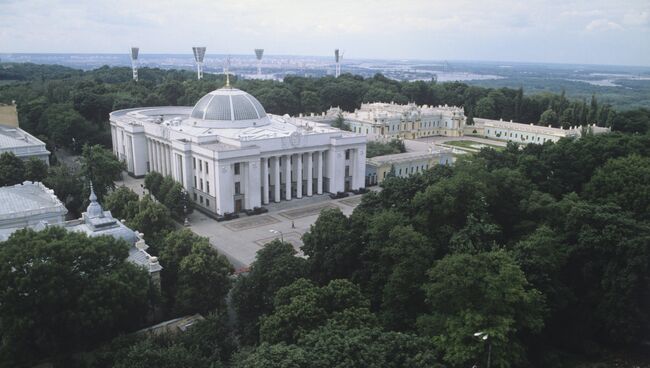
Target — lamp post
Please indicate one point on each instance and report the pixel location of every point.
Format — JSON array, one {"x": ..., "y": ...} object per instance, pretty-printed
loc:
[
  {"x": 484, "y": 336},
  {"x": 186, "y": 223},
  {"x": 278, "y": 233}
]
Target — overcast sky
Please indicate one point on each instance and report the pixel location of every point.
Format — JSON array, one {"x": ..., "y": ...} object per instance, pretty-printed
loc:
[{"x": 568, "y": 31}]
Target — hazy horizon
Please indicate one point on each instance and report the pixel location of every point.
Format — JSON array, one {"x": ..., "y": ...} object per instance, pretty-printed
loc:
[{"x": 559, "y": 32}]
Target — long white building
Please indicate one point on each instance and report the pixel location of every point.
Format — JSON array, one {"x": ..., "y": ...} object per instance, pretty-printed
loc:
[
  {"x": 528, "y": 133},
  {"x": 232, "y": 156}
]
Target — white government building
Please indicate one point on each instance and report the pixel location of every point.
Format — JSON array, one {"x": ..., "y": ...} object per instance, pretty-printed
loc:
[{"x": 230, "y": 155}]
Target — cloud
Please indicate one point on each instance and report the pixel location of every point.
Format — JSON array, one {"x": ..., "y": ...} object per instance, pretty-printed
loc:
[
  {"x": 637, "y": 18},
  {"x": 603, "y": 25}
]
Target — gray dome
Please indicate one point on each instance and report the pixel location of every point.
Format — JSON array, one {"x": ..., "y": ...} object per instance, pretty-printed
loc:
[{"x": 228, "y": 104}]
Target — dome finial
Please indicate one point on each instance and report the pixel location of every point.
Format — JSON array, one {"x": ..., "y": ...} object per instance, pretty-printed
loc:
[
  {"x": 93, "y": 197},
  {"x": 94, "y": 208}
]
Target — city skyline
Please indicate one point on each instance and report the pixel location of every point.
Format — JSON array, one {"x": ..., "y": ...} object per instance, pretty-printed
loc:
[{"x": 577, "y": 32}]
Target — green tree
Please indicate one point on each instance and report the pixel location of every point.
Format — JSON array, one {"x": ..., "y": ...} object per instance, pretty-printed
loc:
[
  {"x": 203, "y": 280},
  {"x": 12, "y": 169},
  {"x": 67, "y": 185},
  {"x": 303, "y": 306},
  {"x": 310, "y": 102},
  {"x": 485, "y": 108},
  {"x": 486, "y": 292},
  {"x": 624, "y": 181},
  {"x": 549, "y": 117},
  {"x": 152, "y": 182},
  {"x": 147, "y": 353},
  {"x": 119, "y": 200},
  {"x": 275, "y": 266},
  {"x": 327, "y": 245},
  {"x": 63, "y": 291},
  {"x": 195, "y": 277},
  {"x": 340, "y": 123},
  {"x": 101, "y": 167},
  {"x": 152, "y": 219},
  {"x": 35, "y": 169}
]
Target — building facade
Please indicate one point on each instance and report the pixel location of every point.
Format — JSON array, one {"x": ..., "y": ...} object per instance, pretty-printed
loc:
[
  {"x": 380, "y": 120},
  {"x": 230, "y": 155},
  {"x": 405, "y": 164},
  {"x": 529, "y": 133}
]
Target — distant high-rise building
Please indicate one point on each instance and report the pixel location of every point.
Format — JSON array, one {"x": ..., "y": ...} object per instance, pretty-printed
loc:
[
  {"x": 199, "y": 54},
  {"x": 258, "y": 54},
  {"x": 134, "y": 62}
]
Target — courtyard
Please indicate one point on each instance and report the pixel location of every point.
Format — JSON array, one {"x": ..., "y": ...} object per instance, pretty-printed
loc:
[{"x": 240, "y": 239}]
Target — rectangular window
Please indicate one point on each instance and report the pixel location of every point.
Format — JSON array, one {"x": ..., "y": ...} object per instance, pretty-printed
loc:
[
  {"x": 347, "y": 171},
  {"x": 194, "y": 163},
  {"x": 347, "y": 154},
  {"x": 207, "y": 187},
  {"x": 237, "y": 168},
  {"x": 201, "y": 199},
  {"x": 200, "y": 165},
  {"x": 206, "y": 168},
  {"x": 201, "y": 184},
  {"x": 194, "y": 197},
  {"x": 194, "y": 181},
  {"x": 237, "y": 188},
  {"x": 207, "y": 202}
]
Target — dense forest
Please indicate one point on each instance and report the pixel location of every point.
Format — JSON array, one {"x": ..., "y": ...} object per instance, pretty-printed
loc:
[
  {"x": 538, "y": 256},
  {"x": 545, "y": 249},
  {"x": 68, "y": 108}
]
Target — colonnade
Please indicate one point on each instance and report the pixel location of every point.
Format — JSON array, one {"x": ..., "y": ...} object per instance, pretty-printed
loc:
[
  {"x": 160, "y": 156},
  {"x": 281, "y": 171}
]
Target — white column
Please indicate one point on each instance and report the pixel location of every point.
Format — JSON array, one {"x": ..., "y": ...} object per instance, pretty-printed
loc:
[
  {"x": 157, "y": 155},
  {"x": 276, "y": 178},
  {"x": 265, "y": 181},
  {"x": 299, "y": 176},
  {"x": 319, "y": 173},
  {"x": 287, "y": 177},
  {"x": 168, "y": 161},
  {"x": 310, "y": 174},
  {"x": 253, "y": 195},
  {"x": 149, "y": 153}
]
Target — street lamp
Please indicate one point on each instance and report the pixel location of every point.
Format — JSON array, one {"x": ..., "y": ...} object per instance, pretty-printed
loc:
[
  {"x": 485, "y": 336},
  {"x": 186, "y": 223},
  {"x": 277, "y": 232}
]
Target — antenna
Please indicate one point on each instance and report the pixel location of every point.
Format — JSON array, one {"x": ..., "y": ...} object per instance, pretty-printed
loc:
[
  {"x": 134, "y": 62},
  {"x": 338, "y": 57},
  {"x": 199, "y": 54},
  {"x": 258, "y": 54}
]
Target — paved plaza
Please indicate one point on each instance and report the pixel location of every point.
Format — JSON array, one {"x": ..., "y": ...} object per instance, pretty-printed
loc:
[{"x": 240, "y": 239}]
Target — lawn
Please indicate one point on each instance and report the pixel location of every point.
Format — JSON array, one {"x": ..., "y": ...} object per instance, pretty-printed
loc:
[{"x": 473, "y": 145}]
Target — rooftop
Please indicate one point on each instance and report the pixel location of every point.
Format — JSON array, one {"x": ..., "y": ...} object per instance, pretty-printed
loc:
[
  {"x": 13, "y": 137},
  {"x": 27, "y": 199}
]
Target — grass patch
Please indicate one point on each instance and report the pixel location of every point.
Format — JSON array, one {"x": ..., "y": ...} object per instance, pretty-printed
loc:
[{"x": 473, "y": 145}]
